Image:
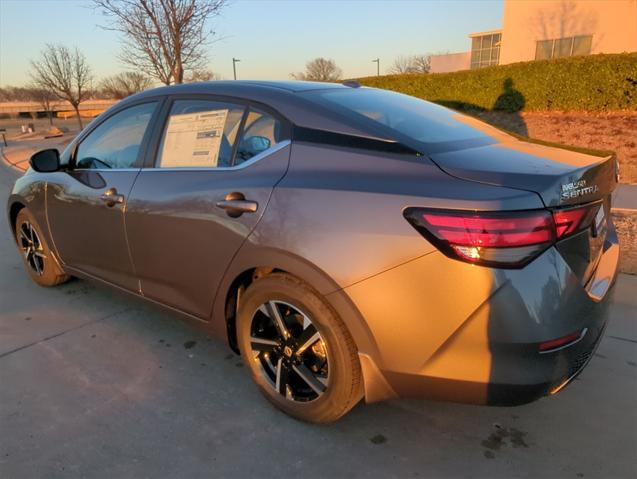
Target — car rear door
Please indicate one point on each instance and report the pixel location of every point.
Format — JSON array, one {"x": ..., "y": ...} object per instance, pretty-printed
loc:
[
  {"x": 86, "y": 203},
  {"x": 205, "y": 185}
]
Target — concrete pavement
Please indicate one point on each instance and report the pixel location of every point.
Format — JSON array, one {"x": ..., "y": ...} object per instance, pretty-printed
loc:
[
  {"x": 94, "y": 383},
  {"x": 625, "y": 197}
]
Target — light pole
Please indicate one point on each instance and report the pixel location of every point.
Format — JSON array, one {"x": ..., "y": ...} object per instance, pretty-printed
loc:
[
  {"x": 377, "y": 62},
  {"x": 234, "y": 66}
]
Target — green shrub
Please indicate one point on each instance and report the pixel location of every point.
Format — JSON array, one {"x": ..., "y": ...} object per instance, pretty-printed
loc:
[{"x": 588, "y": 83}]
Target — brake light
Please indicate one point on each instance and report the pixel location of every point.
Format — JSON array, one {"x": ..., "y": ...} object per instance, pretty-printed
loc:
[
  {"x": 500, "y": 239},
  {"x": 573, "y": 220},
  {"x": 507, "y": 239}
]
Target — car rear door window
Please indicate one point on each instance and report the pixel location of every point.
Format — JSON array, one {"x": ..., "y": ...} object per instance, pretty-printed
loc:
[
  {"x": 115, "y": 143},
  {"x": 417, "y": 119},
  {"x": 261, "y": 132},
  {"x": 200, "y": 134}
]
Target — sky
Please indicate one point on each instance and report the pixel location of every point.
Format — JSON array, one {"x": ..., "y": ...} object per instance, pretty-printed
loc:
[{"x": 272, "y": 38}]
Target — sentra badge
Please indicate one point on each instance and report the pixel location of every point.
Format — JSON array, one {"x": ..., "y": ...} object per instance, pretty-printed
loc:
[{"x": 577, "y": 189}]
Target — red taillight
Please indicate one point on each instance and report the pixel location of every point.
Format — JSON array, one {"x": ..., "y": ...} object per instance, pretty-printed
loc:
[
  {"x": 500, "y": 239},
  {"x": 570, "y": 221},
  {"x": 559, "y": 343},
  {"x": 507, "y": 239},
  {"x": 493, "y": 232}
]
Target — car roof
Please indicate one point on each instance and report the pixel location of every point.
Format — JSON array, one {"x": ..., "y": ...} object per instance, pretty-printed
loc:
[
  {"x": 283, "y": 96},
  {"x": 290, "y": 85},
  {"x": 244, "y": 87}
]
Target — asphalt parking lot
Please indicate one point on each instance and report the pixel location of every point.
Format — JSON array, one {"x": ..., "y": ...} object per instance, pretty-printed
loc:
[{"x": 94, "y": 383}]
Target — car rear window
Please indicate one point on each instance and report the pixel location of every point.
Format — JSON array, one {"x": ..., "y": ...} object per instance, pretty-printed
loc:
[{"x": 417, "y": 119}]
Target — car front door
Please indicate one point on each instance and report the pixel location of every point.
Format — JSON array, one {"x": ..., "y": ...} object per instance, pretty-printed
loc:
[
  {"x": 87, "y": 202},
  {"x": 207, "y": 183}
]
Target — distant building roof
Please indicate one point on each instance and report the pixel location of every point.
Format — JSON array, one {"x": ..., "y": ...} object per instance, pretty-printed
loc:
[{"x": 489, "y": 32}]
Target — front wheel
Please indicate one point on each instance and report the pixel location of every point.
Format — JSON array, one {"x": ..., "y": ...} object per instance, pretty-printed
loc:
[
  {"x": 36, "y": 254},
  {"x": 298, "y": 350}
]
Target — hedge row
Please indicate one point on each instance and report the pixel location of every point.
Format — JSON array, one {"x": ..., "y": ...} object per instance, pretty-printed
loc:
[{"x": 588, "y": 83}]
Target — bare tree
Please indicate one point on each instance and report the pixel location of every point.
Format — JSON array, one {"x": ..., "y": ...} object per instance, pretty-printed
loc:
[
  {"x": 412, "y": 64},
  {"x": 44, "y": 98},
  {"x": 201, "y": 75},
  {"x": 16, "y": 93},
  {"x": 124, "y": 84},
  {"x": 163, "y": 38},
  {"x": 64, "y": 73},
  {"x": 320, "y": 69},
  {"x": 421, "y": 63}
]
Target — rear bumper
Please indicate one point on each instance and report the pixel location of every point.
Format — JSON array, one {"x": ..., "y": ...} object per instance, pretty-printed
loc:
[
  {"x": 556, "y": 372},
  {"x": 446, "y": 330}
]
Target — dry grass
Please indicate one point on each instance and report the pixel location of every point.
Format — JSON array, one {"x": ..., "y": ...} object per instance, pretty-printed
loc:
[{"x": 615, "y": 131}]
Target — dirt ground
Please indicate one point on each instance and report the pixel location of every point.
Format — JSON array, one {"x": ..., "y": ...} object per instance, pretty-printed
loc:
[
  {"x": 626, "y": 224},
  {"x": 614, "y": 131}
]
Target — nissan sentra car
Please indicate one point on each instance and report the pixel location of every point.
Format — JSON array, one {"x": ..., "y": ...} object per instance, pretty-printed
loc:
[{"x": 348, "y": 242}]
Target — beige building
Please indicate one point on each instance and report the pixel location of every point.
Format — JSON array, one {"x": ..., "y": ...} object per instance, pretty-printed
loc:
[
  {"x": 539, "y": 30},
  {"x": 450, "y": 62}
]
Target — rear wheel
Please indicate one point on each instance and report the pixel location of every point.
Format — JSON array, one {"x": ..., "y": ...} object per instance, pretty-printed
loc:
[
  {"x": 36, "y": 254},
  {"x": 299, "y": 352}
]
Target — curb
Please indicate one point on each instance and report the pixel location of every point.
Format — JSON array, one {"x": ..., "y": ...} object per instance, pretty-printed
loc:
[{"x": 14, "y": 166}]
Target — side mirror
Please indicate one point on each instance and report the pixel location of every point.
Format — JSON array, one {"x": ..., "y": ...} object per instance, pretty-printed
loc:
[{"x": 45, "y": 161}]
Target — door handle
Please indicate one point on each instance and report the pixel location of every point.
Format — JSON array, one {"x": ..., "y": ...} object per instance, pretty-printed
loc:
[
  {"x": 111, "y": 197},
  {"x": 235, "y": 205}
]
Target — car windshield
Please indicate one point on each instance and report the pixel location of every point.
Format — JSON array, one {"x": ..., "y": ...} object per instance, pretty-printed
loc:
[{"x": 417, "y": 119}]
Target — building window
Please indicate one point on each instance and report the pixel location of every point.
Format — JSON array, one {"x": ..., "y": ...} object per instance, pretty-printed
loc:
[
  {"x": 563, "y": 47},
  {"x": 485, "y": 50}
]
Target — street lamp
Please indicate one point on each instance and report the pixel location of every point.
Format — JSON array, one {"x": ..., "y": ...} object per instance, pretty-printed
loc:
[
  {"x": 234, "y": 66},
  {"x": 377, "y": 62}
]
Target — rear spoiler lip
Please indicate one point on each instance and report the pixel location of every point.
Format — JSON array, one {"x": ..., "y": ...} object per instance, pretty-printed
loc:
[{"x": 325, "y": 137}]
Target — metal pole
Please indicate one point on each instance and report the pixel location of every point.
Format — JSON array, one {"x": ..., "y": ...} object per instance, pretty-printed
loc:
[
  {"x": 377, "y": 62},
  {"x": 234, "y": 66}
]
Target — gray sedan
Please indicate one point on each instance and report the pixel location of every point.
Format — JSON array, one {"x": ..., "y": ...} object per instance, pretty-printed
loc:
[{"x": 348, "y": 242}]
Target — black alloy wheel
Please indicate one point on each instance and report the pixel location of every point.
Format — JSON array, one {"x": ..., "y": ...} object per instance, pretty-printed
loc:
[
  {"x": 290, "y": 351},
  {"x": 38, "y": 258},
  {"x": 32, "y": 248},
  {"x": 298, "y": 350}
]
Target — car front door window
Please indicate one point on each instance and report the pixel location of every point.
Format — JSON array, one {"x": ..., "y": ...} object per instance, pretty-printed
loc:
[{"x": 115, "y": 143}]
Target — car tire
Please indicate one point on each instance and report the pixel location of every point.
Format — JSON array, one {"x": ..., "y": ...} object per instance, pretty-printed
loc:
[
  {"x": 339, "y": 378},
  {"x": 37, "y": 257}
]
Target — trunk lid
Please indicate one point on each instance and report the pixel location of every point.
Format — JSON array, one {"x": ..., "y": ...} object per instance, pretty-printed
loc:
[{"x": 561, "y": 176}]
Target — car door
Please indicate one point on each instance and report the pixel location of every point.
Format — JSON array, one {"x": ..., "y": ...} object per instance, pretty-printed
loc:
[
  {"x": 87, "y": 202},
  {"x": 207, "y": 183}
]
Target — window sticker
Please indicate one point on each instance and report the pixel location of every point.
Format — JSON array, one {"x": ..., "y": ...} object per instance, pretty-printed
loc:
[{"x": 193, "y": 139}]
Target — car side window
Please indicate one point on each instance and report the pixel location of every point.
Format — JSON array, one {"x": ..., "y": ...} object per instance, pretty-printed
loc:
[
  {"x": 200, "y": 133},
  {"x": 261, "y": 132},
  {"x": 115, "y": 143}
]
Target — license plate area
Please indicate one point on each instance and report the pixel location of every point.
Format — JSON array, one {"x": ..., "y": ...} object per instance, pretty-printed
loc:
[
  {"x": 583, "y": 251},
  {"x": 598, "y": 232},
  {"x": 597, "y": 237}
]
